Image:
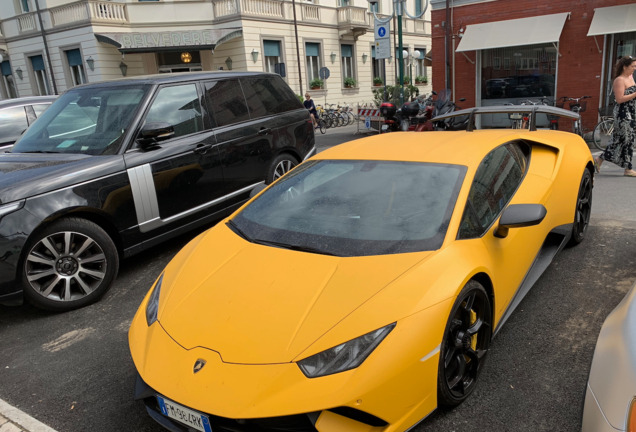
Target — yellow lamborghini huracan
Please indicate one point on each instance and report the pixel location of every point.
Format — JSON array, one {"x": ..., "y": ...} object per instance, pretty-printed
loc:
[{"x": 360, "y": 291}]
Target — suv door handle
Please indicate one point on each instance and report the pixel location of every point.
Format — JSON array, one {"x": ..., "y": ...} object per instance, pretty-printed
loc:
[
  {"x": 264, "y": 131},
  {"x": 202, "y": 148}
]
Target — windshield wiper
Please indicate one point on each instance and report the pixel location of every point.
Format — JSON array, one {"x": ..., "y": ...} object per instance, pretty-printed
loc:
[
  {"x": 39, "y": 151},
  {"x": 299, "y": 248},
  {"x": 238, "y": 231},
  {"x": 234, "y": 227}
]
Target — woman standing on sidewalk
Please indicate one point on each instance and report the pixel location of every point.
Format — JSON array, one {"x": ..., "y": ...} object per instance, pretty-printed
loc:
[{"x": 620, "y": 149}]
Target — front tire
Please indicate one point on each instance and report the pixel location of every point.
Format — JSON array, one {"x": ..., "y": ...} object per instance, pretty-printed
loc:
[
  {"x": 583, "y": 209},
  {"x": 464, "y": 345},
  {"x": 69, "y": 264},
  {"x": 280, "y": 166}
]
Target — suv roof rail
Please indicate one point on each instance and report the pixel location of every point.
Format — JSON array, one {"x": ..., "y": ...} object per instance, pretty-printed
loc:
[{"x": 532, "y": 110}]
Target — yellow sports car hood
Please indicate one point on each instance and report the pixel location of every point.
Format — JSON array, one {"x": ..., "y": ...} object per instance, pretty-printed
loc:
[{"x": 256, "y": 304}]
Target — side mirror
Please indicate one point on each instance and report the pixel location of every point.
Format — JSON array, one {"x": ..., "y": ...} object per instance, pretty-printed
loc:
[
  {"x": 151, "y": 133},
  {"x": 520, "y": 215}
]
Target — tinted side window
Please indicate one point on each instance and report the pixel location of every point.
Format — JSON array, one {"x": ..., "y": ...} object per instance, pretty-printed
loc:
[
  {"x": 179, "y": 106},
  {"x": 497, "y": 178},
  {"x": 40, "y": 108},
  {"x": 12, "y": 122},
  {"x": 267, "y": 96},
  {"x": 226, "y": 102}
]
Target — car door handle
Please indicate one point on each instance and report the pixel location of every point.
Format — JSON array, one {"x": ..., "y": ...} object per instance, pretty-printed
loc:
[
  {"x": 202, "y": 148},
  {"x": 264, "y": 131}
]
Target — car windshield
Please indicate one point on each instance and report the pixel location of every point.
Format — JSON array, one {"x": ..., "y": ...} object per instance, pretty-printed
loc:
[
  {"x": 84, "y": 120},
  {"x": 355, "y": 208}
]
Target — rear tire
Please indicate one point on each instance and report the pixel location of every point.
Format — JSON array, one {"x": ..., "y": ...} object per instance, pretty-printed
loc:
[
  {"x": 583, "y": 209},
  {"x": 69, "y": 264}
]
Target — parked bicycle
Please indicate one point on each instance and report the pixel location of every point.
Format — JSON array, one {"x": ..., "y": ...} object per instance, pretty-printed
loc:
[
  {"x": 604, "y": 129},
  {"x": 577, "y": 105},
  {"x": 521, "y": 120}
]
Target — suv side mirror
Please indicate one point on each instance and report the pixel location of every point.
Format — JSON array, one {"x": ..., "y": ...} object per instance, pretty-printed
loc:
[{"x": 151, "y": 133}]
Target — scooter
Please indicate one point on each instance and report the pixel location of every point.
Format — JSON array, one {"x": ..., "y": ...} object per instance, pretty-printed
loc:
[
  {"x": 444, "y": 105},
  {"x": 392, "y": 117}
]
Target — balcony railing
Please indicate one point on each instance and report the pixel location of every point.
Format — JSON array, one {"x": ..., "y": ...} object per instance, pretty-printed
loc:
[
  {"x": 351, "y": 15},
  {"x": 258, "y": 8},
  {"x": 26, "y": 23},
  {"x": 89, "y": 11}
]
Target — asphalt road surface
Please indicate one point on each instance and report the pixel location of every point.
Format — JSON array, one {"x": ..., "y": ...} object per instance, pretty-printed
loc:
[{"x": 73, "y": 371}]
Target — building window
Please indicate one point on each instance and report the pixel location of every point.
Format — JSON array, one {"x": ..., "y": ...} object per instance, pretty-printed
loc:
[
  {"x": 420, "y": 63},
  {"x": 378, "y": 66},
  {"x": 7, "y": 84},
  {"x": 344, "y": 3},
  {"x": 374, "y": 7},
  {"x": 312, "y": 58},
  {"x": 24, "y": 6},
  {"x": 346, "y": 59},
  {"x": 76, "y": 66},
  {"x": 271, "y": 52},
  {"x": 531, "y": 74},
  {"x": 418, "y": 7},
  {"x": 39, "y": 75}
]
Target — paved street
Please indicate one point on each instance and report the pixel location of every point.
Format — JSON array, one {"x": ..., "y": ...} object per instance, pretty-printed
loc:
[{"x": 73, "y": 371}]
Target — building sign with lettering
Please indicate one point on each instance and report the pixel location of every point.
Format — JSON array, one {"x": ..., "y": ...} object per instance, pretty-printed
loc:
[{"x": 148, "y": 41}]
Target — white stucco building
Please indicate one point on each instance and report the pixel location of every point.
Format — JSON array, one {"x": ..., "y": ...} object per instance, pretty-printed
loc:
[{"x": 48, "y": 46}]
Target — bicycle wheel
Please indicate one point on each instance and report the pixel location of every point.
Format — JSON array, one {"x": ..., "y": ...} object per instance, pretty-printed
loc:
[
  {"x": 322, "y": 125},
  {"x": 603, "y": 133}
]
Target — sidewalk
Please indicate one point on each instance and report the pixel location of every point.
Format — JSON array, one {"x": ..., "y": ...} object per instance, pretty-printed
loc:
[{"x": 14, "y": 420}]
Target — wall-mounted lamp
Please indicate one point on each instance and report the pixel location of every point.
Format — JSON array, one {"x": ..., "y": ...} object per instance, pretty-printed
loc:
[
  {"x": 364, "y": 57},
  {"x": 333, "y": 56},
  {"x": 228, "y": 63},
  {"x": 18, "y": 72},
  {"x": 90, "y": 63},
  {"x": 254, "y": 55},
  {"x": 186, "y": 57},
  {"x": 123, "y": 67}
]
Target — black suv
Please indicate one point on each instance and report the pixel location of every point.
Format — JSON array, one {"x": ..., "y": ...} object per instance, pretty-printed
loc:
[{"x": 113, "y": 168}]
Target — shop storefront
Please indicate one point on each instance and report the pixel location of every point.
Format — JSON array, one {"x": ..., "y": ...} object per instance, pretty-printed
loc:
[{"x": 569, "y": 51}]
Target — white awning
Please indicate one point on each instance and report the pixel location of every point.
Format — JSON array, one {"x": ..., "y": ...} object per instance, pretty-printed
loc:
[
  {"x": 515, "y": 32},
  {"x": 613, "y": 19}
]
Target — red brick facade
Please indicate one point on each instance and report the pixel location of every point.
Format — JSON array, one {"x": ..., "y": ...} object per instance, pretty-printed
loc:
[{"x": 580, "y": 63}]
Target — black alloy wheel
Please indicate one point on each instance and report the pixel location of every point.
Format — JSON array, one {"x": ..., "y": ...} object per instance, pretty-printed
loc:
[
  {"x": 464, "y": 346},
  {"x": 583, "y": 209},
  {"x": 69, "y": 264},
  {"x": 281, "y": 165}
]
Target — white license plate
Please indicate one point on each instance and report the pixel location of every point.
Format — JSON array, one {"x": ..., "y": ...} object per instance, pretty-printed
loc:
[{"x": 184, "y": 415}]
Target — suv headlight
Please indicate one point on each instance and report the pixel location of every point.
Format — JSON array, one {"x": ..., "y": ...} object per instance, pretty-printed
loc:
[
  {"x": 348, "y": 355},
  {"x": 152, "y": 308}
]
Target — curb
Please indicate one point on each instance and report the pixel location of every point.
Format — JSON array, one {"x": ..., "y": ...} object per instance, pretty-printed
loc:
[{"x": 14, "y": 420}]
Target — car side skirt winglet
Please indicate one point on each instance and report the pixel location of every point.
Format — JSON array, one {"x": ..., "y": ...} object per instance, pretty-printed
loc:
[{"x": 554, "y": 242}]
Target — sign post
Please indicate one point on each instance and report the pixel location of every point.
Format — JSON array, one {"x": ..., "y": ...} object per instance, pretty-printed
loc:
[{"x": 324, "y": 73}]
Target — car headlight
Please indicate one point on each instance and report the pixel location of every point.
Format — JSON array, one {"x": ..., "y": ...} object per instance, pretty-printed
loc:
[
  {"x": 153, "y": 303},
  {"x": 10, "y": 208},
  {"x": 348, "y": 355}
]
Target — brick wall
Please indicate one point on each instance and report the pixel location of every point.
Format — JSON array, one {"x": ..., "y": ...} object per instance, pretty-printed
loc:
[{"x": 580, "y": 63}]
